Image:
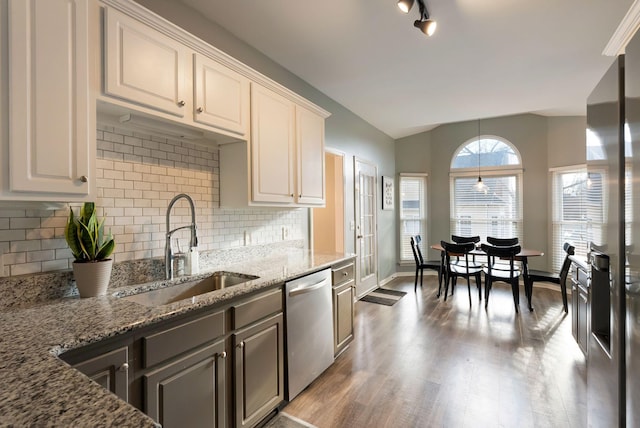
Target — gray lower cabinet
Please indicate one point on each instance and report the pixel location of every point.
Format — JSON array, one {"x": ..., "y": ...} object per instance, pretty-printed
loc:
[
  {"x": 110, "y": 369},
  {"x": 258, "y": 358},
  {"x": 580, "y": 323},
  {"x": 189, "y": 391},
  {"x": 342, "y": 277},
  {"x": 178, "y": 371}
]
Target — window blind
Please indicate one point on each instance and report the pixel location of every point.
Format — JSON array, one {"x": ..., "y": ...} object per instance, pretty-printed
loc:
[
  {"x": 569, "y": 214},
  {"x": 413, "y": 193},
  {"x": 496, "y": 211}
]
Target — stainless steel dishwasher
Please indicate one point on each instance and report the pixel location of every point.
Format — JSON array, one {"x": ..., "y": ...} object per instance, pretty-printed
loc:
[{"x": 309, "y": 317}]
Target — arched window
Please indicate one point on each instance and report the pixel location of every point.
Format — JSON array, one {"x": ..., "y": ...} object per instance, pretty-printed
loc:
[{"x": 495, "y": 207}]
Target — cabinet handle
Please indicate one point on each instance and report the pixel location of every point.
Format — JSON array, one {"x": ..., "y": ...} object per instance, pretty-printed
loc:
[
  {"x": 181, "y": 103},
  {"x": 241, "y": 345},
  {"x": 223, "y": 355},
  {"x": 124, "y": 367},
  {"x": 199, "y": 109},
  {"x": 84, "y": 178}
]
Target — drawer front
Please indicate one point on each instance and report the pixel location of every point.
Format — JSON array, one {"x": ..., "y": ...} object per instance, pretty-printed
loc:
[
  {"x": 257, "y": 308},
  {"x": 582, "y": 277},
  {"x": 174, "y": 341},
  {"x": 342, "y": 274}
]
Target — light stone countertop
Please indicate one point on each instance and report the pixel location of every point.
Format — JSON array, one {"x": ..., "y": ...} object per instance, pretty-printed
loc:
[{"x": 39, "y": 389}]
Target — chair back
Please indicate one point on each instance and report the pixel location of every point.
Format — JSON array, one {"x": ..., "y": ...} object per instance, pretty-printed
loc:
[
  {"x": 413, "y": 250},
  {"x": 502, "y": 242},
  {"x": 418, "y": 250},
  {"x": 505, "y": 253},
  {"x": 456, "y": 250},
  {"x": 569, "y": 250},
  {"x": 465, "y": 239}
]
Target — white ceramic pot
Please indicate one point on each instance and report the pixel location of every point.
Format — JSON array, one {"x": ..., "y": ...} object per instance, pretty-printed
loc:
[{"x": 92, "y": 278}]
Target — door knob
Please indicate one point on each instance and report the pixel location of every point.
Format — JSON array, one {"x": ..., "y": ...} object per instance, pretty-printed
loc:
[{"x": 359, "y": 236}]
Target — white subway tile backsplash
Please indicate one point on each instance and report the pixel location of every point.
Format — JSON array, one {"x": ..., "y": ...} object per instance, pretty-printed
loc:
[{"x": 136, "y": 177}]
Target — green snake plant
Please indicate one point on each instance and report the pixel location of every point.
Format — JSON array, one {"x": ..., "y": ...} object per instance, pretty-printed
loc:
[{"x": 85, "y": 235}]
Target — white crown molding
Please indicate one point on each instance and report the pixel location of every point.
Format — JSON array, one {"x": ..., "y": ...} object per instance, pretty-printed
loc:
[
  {"x": 625, "y": 31},
  {"x": 144, "y": 15}
]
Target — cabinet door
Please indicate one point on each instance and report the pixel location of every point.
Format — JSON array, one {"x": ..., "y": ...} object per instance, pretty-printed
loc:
[
  {"x": 310, "y": 157},
  {"x": 272, "y": 146},
  {"x": 111, "y": 370},
  {"x": 144, "y": 66},
  {"x": 188, "y": 392},
  {"x": 583, "y": 321},
  {"x": 342, "y": 316},
  {"x": 259, "y": 370},
  {"x": 221, "y": 97},
  {"x": 51, "y": 119}
]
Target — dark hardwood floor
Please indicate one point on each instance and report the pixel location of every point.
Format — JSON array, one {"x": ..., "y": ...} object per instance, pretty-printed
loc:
[{"x": 428, "y": 363}]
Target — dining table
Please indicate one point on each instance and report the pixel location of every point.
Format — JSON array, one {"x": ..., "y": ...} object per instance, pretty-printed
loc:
[{"x": 522, "y": 256}]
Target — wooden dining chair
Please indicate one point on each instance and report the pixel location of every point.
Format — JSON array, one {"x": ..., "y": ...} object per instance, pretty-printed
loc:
[
  {"x": 460, "y": 266},
  {"x": 501, "y": 242},
  {"x": 468, "y": 240},
  {"x": 421, "y": 265},
  {"x": 556, "y": 278},
  {"x": 510, "y": 276}
]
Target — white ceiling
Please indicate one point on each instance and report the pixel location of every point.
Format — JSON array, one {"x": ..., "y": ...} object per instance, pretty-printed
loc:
[{"x": 487, "y": 58}]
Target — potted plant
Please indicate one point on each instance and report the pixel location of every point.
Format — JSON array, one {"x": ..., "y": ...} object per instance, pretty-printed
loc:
[{"x": 91, "y": 250}]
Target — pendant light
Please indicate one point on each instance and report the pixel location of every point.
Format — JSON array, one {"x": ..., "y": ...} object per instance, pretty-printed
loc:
[{"x": 479, "y": 186}]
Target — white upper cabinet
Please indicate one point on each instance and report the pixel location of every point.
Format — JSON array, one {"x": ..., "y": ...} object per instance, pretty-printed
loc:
[
  {"x": 283, "y": 165},
  {"x": 221, "y": 96},
  {"x": 310, "y": 157},
  {"x": 144, "y": 66},
  {"x": 48, "y": 144},
  {"x": 272, "y": 146}
]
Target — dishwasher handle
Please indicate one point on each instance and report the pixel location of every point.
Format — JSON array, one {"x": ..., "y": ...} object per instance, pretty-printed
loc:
[{"x": 307, "y": 288}]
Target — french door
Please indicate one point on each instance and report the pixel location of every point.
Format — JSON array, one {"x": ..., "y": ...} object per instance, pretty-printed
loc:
[{"x": 365, "y": 183}]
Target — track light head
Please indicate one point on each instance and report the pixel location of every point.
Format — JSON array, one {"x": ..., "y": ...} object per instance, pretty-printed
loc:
[
  {"x": 427, "y": 26},
  {"x": 405, "y": 5}
]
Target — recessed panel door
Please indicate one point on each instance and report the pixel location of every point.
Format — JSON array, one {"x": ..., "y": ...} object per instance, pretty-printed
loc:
[{"x": 366, "y": 239}]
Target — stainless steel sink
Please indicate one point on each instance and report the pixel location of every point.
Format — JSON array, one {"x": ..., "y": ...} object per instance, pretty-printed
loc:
[{"x": 186, "y": 290}]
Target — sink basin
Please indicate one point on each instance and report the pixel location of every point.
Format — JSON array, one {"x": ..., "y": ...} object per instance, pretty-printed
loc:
[{"x": 186, "y": 290}]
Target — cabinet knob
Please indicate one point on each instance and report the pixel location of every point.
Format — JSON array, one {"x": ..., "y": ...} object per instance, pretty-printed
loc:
[
  {"x": 300, "y": 195},
  {"x": 199, "y": 109},
  {"x": 292, "y": 195},
  {"x": 84, "y": 178},
  {"x": 181, "y": 103},
  {"x": 241, "y": 345},
  {"x": 223, "y": 355},
  {"x": 344, "y": 274},
  {"x": 124, "y": 367}
]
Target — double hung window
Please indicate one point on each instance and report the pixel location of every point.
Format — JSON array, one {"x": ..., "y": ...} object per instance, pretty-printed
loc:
[
  {"x": 413, "y": 214},
  {"x": 495, "y": 207}
]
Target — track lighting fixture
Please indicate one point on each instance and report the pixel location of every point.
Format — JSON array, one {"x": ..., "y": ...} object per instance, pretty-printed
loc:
[
  {"x": 405, "y": 5},
  {"x": 424, "y": 24}
]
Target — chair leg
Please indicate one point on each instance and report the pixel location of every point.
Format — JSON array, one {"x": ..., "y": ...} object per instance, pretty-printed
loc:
[
  {"x": 454, "y": 283},
  {"x": 444, "y": 277},
  {"x": 487, "y": 289},
  {"x": 563, "y": 288},
  {"x": 421, "y": 276},
  {"x": 479, "y": 284},
  {"x": 447, "y": 280},
  {"x": 516, "y": 294},
  {"x": 415, "y": 281},
  {"x": 469, "y": 288}
]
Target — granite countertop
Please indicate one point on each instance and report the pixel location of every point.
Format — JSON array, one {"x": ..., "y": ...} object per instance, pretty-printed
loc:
[{"x": 37, "y": 388}]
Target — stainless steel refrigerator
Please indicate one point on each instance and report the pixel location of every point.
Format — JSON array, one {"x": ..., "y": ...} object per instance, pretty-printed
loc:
[{"x": 613, "y": 157}]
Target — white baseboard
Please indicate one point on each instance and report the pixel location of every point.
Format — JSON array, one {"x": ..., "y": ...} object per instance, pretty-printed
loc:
[{"x": 547, "y": 285}]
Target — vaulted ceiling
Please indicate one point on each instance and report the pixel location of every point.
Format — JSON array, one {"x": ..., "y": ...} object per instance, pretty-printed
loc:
[{"x": 487, "y": 58}]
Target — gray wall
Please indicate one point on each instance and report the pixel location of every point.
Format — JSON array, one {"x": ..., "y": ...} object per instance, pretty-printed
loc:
[
  {"x": 542, "y": 142},
  {"x": 345, "y": 131}
]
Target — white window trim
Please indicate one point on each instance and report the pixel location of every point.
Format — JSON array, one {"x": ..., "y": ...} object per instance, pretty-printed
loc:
[{"x": 411, "y": 261}]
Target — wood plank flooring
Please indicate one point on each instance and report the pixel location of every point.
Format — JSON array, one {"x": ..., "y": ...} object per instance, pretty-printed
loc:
[{"x": 428, "y": 363}]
